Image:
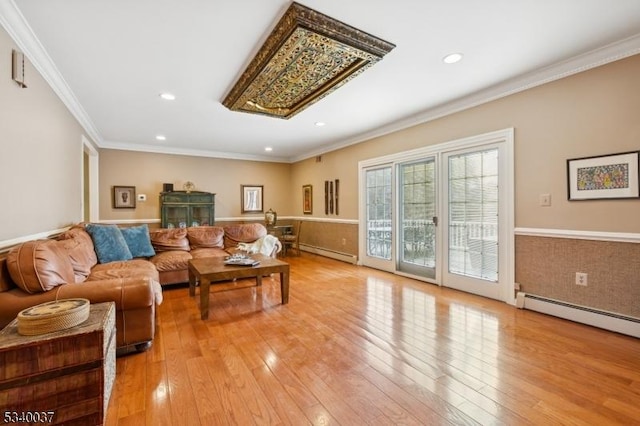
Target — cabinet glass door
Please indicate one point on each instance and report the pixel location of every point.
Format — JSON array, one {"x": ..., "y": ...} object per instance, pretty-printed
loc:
[
  {"x": 176, "y": 216},
  {"x": 200, "y": 216}
]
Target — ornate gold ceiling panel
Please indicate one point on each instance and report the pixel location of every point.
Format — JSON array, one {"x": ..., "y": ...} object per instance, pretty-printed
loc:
[{"x": 306, "y": 57}]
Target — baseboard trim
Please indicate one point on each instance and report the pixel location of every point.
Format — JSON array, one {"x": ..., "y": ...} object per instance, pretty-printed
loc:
[
  {"x": 345, "y": 257},
  {"x": 598, "y": 318}
]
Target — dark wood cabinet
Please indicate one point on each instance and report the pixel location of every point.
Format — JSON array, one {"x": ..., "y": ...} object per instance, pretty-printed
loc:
[{"x": 180, "y": 209}]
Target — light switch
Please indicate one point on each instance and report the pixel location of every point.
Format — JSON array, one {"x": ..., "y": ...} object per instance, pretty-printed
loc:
[
  {"x": 142, "y": 197},
  {"x": 545, "y": 200}
]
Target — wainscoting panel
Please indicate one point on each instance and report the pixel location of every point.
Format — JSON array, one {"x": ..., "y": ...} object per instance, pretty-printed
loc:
[
  {"x": 547, "y": 267},
  {"x": 330, "y": 236}
]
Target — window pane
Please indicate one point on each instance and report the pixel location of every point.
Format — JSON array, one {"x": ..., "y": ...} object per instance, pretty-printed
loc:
[
  {"x": 418, "y": 209},
  {"x": 379, "y": 213},
  {"x": 473, "y": 214}
]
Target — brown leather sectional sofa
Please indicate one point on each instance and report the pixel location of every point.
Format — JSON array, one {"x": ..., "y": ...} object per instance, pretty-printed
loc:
[
  {"x": 174, "y": 247},
  {"x": 44, "y": 270}
]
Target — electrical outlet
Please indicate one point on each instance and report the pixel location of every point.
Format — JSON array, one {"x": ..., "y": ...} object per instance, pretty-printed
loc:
[
  {"x": 344, "y": 241},
  {"x": 581, "y": 278}
]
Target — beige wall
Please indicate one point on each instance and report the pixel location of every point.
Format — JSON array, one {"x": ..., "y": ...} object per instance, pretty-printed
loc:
[
  {"x": 592, "y": 113},
  {"x": 147, "y": 172},
  {"x": 41, "y": 161}
]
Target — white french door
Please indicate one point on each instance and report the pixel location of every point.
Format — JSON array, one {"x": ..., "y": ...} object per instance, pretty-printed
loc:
[
  {"x": 417, "y": 217},
  {"x": 443, "y": 214},
  {"x": 476, "y": 236}
]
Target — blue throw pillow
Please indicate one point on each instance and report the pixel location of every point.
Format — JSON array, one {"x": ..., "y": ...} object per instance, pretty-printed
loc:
[
  {"x": 138, "y": 240},
  {"x": 109, "y": 243}
]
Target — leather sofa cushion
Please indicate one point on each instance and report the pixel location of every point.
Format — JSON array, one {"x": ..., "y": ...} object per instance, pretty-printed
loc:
[
  {"x": 205, "y": 237},
  {"x": 208, "y": 252},
  {"x": 171, "y": 260},
  {"x": 40, "y": 265},
  {"x": 136, "y": 268},
  {"x": 245, "y": 233},
  {"x": 80, "y": 249},
  {"x": 169, "y": 239}
]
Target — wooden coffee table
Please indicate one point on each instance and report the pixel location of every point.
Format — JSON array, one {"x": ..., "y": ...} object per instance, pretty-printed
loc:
[{"x": 212, "y": 270}]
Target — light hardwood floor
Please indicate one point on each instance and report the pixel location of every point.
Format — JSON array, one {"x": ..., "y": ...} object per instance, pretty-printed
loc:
[{"x": 359, "y": 346}]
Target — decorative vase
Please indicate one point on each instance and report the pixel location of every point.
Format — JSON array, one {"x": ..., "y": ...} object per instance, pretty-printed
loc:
[{"x": 270, "y": 218}]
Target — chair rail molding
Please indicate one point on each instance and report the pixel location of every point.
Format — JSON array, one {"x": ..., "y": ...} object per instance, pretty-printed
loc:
[{"x": 620, "y": 237}]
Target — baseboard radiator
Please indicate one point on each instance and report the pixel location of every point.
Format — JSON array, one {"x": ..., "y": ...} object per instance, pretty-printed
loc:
[
  {"x": 345, "y": 257},
  {"x": 594, "y": 317}
]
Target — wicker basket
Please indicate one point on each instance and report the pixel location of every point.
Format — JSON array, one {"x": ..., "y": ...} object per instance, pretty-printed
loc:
[{"x": 53, "y": 316}]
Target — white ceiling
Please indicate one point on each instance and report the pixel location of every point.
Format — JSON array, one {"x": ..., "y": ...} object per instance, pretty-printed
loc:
[{"x": 110, "y": 60}]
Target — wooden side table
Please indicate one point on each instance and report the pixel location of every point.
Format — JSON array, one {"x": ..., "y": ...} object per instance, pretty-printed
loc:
[{"x": 60, "y": 377}]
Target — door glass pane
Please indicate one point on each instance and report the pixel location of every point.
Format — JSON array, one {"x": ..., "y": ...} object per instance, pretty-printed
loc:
[
  {"x": 417, "y": 210},
  {"x": 473, "y": 214},
  {"x": 378, "y": 205}
]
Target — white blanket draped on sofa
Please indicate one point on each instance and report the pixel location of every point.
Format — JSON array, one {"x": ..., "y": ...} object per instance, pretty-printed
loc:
[{"x": 264, "y": 245}]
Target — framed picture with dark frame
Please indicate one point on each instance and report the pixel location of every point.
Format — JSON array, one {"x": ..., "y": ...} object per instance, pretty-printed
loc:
[
  {"x": 612, "y": 176},
  {"x": 124, "y": 197},
  {"x": 252, "y": 198},
  {"x": 307, "y": 199}
]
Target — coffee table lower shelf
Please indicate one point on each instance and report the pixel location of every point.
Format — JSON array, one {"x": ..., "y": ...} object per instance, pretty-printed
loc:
[{"x": 211, "y": 270}]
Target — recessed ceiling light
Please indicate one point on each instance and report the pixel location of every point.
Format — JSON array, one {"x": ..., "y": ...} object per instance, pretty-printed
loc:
[
  {"x": 268, "y": 149},
  {"x": 320, "y": 123},
  {"x": 161, "y": 138},
  {"x": 452, "y": 58},
  {"x": 168, "y": 96}
]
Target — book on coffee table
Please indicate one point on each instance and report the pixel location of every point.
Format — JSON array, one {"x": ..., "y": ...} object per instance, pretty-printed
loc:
[{"x": 241, "y": 261}]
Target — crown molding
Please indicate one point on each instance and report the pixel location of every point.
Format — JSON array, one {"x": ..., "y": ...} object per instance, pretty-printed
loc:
[
  {"x": 577, "y": 64},
  {"x": 17, "y": 27},
  {"x": 191, "y": 152}
]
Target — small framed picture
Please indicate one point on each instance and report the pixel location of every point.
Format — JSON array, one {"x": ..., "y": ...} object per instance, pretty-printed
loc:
[
  {"x": 124, "y": 197},
  {"x": 307, "y": 199},
  {"x": 252, "y": 198},
  {"x": 603, "y": 177}
]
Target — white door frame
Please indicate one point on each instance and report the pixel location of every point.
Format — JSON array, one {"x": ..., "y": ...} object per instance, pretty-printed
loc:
[
  {"x": 94, "y": 202},
  {"x": 506, "y": 137}
]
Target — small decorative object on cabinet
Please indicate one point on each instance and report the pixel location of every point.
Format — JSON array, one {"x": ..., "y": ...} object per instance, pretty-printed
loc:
[
  {"x": 181, "y": 208},
  {"x": 61, "y": 377},
  {"x": 189, "y": 186}
]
